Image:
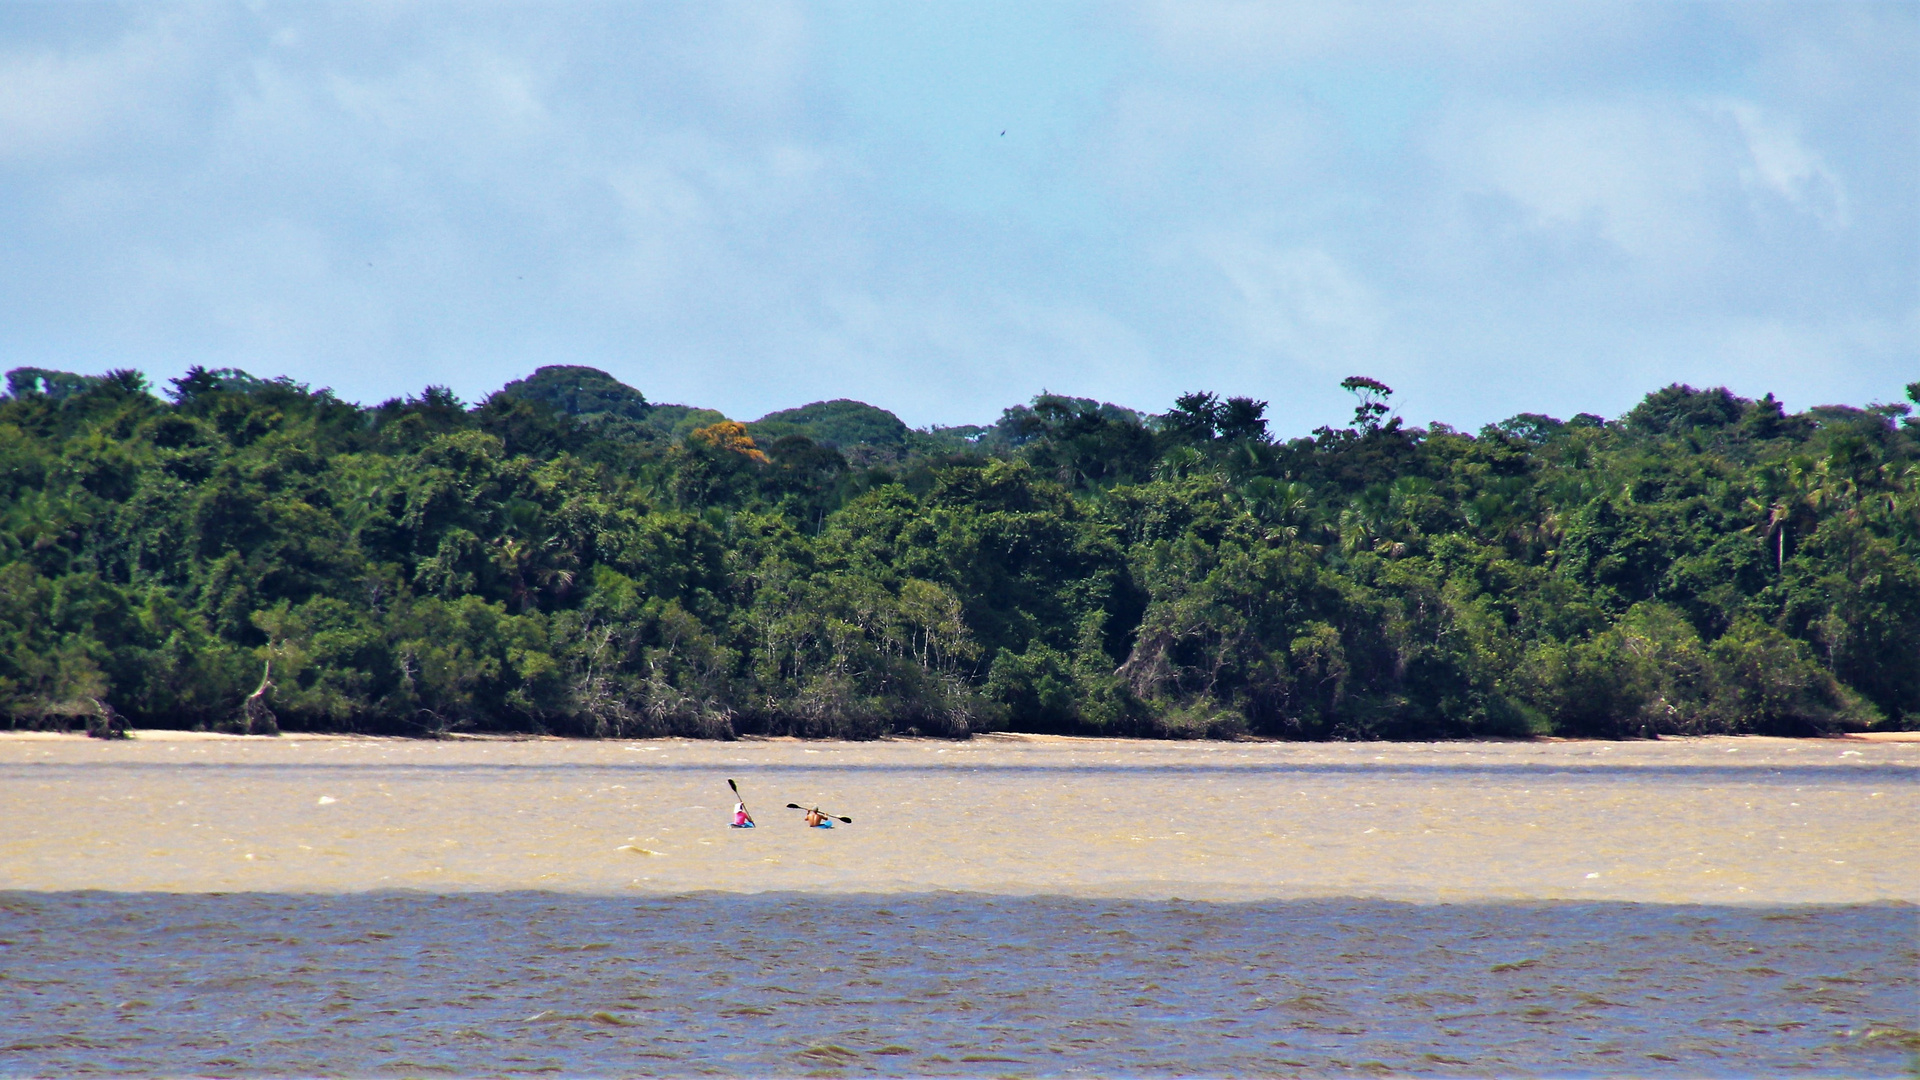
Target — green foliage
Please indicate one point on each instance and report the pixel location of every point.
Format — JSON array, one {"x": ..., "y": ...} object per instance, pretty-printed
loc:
[
  {"x": 569, "y": 557},
  {"x": 584, "y": 393},
  {"x": 839, "y": 424},
  {"x": 600, "y": 404}
]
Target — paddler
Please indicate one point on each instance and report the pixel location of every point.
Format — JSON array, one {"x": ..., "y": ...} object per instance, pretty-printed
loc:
[
  {"x": 741, "y": 819},
  {"x": 818, "y": 820}
]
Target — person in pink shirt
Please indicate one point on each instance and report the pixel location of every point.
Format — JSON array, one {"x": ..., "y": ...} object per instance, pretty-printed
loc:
[{"x": 741, "y": 819}]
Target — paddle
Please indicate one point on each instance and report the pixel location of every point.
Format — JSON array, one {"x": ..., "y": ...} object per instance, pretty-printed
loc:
[
  {"x": 742, "y": 798},
  {"x": 836, "y": 817}
]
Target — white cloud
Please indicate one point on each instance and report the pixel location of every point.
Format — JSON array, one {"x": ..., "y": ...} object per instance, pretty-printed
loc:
[
  {"x": 1494, "y": 205},
  {"x": 1297, "y": 304},
  {"x": 1781, "y": 163},
  {"x": 486, "y": 94},
  {"x": 1018, "y": 344},
  {"x": 1482, "y": 35},
  {"x": 1641, "y": 175},
  {"x": 58, "y": 102}
]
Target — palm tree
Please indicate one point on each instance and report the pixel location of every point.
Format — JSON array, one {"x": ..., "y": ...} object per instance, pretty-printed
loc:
[
  {"x": 1179, "y": 463},
  {"x": 1279, "y": 505},
  {"x": 1792, "y": 495}
]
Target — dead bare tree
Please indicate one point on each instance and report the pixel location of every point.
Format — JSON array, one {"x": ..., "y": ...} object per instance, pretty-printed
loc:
[
  {"x": 106, "y": 722},
  {"x": 260, "y": 719}
]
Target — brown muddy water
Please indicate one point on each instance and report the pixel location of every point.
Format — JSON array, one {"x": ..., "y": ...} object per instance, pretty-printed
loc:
[{"x": 300, "y": 907}]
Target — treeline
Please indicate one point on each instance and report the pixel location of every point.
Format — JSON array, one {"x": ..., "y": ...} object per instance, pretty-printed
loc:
[{"x": 246, "y": 554}]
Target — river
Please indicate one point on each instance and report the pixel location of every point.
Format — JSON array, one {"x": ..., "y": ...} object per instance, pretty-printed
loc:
[{"x": 309, "y": 906}]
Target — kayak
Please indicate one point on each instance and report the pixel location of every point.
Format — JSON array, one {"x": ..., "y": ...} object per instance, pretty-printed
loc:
[
  {"x": 747, "y": 825},
  {"x": 824, "y": 825}
]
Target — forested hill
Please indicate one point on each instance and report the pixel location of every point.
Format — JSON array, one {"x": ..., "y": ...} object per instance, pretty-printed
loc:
[{"x": 570, "y": 557}]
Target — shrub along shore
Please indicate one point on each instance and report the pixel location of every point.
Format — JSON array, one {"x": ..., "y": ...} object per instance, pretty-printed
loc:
[{"x": 567, "y": 557}]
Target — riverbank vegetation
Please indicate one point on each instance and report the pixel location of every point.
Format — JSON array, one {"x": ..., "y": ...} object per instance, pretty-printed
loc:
[{"x": 244, "y": 554}]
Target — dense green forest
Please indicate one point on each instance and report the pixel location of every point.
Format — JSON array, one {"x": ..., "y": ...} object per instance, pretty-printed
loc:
[{"x": 249, "y": 554}]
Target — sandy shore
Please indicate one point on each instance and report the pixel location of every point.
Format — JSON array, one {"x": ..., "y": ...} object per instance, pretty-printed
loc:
[
  {"x": 171, "y": 735},
  {"x": 1729, "y": 820}
]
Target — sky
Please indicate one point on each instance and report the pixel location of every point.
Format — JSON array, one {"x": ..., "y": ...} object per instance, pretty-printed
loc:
[{"x": 946, "y": 208}]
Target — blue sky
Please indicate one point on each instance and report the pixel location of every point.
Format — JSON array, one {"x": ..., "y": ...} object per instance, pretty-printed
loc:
[{"x": 1494, "y": 207}]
